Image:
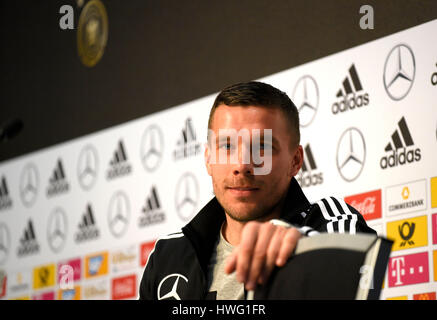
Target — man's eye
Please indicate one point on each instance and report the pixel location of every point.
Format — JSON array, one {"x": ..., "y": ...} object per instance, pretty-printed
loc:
[
  {"x": 264, "y": 146},
  {"x": 226, "y": 146}
]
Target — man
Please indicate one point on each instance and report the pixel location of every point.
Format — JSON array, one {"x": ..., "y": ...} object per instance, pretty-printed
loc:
[{"x": 255, "y": 220}]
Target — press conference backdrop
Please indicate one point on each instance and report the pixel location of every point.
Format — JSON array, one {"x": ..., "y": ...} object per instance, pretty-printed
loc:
[{"x": 79, "y": 219}]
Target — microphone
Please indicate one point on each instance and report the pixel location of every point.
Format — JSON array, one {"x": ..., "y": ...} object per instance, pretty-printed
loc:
[{"x": 11, "y": 129}]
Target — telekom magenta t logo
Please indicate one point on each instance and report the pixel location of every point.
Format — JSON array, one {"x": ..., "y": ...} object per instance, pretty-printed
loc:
[{"x": 408, "y": 269}]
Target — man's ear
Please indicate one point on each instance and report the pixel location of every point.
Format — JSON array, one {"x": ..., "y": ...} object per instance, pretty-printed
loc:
[
  {"x": 207, "y": 157},
  {"x": 296, "y": 161}
]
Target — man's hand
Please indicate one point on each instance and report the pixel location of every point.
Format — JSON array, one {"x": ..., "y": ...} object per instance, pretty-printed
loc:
[{"x": 262, "y": 246}]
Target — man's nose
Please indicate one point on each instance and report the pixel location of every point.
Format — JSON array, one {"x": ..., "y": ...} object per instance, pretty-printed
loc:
[
  {"x": 244, "y": 169},
  {"x": 244, "y": 165}
]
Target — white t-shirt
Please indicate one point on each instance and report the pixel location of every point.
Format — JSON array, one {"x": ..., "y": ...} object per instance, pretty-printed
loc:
[{"x": 226, "y": 285}]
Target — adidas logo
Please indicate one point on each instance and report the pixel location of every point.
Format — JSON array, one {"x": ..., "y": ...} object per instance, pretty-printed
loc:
[
  {"x": 5, "y": 199},
  {"x": 87, "y": 227},
  {"x": 152, "y": 212},
  {"x": 348, "y": 93},
  {"x": 119, "y": 165},
  {"x": 57, "y": 182},
  {"x": 28, "y": 243},
  {"x": 308, "y": 176},
  {"x": 187, "y": 145},
  {"x": 401, "y": 147}
]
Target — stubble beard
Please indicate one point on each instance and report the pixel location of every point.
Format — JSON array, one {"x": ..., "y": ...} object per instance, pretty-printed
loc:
[{"x": 260, "y": 212}]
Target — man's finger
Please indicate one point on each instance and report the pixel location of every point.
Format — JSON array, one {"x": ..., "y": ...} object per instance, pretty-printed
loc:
[
  {"x": 272, "y": 253},
  {"x": 231, "y": 261},
  {"x": 245, "y": 250},
  {"x": 288, "y": 244},
  {"x": 259, "y": 256}
]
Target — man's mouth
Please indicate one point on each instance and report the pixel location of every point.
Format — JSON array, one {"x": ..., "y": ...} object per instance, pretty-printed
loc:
[{"x": 242, "y": 190}]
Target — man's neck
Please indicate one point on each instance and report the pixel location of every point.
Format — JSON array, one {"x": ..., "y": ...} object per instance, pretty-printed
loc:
[{"x": 232, "y": 229}]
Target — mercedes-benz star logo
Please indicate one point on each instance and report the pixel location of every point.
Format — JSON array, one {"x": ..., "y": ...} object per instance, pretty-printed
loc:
[
  {"x": 87, "y": 167},
  {"x": 57, "y": 229},
  {"x": 118, "y": 214},
  {"x": 351, "y": 154},
  {"x": 399, "y": 71},
  {"x": 5, "y": 242},
  {"x": 306, "y": 98},
  {"x": 151, "y": 148},
  {"x": 29, "y": 184},
  {"x": 187, "y": 196},
  {"x": 172, "y": 284}
]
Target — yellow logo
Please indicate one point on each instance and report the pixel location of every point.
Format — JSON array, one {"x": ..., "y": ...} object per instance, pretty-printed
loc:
[
  {"x": 69, "y": 294},
  {"x": 22, "y": 298},
  {"x": 434, "y": 192},
  {"x": 398, "y": 298},
  {"x": 92, "y": 33},
  {"x": 405, "y": 193},
  {"x": 408, "y": 233},
  {"x": 96, "y": 265},
  {"x": 44, "y": 276}
]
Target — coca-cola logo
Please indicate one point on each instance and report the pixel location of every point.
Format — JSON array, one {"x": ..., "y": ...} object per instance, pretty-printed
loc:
[
  {"x": 368, "y": 204},
  {"x": 365, "y": 207},
  {"x": 124, "y": 287}
]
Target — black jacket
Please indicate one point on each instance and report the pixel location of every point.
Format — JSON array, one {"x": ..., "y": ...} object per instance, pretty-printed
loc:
[{"x": 177, "y": 267}]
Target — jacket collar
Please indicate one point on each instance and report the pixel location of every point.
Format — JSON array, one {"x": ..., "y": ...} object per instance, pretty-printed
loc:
[{"x": 203, "y": 229}]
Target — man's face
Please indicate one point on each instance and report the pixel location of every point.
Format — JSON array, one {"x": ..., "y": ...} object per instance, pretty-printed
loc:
[{"x": 244, "y": 195}]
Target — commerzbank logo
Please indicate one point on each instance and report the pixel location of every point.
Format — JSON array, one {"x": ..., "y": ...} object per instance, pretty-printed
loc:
[
  {"x": 19, "y": 282},
  {"x": 407, "y": 197},
  {"x": 399, "y": 71}
]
